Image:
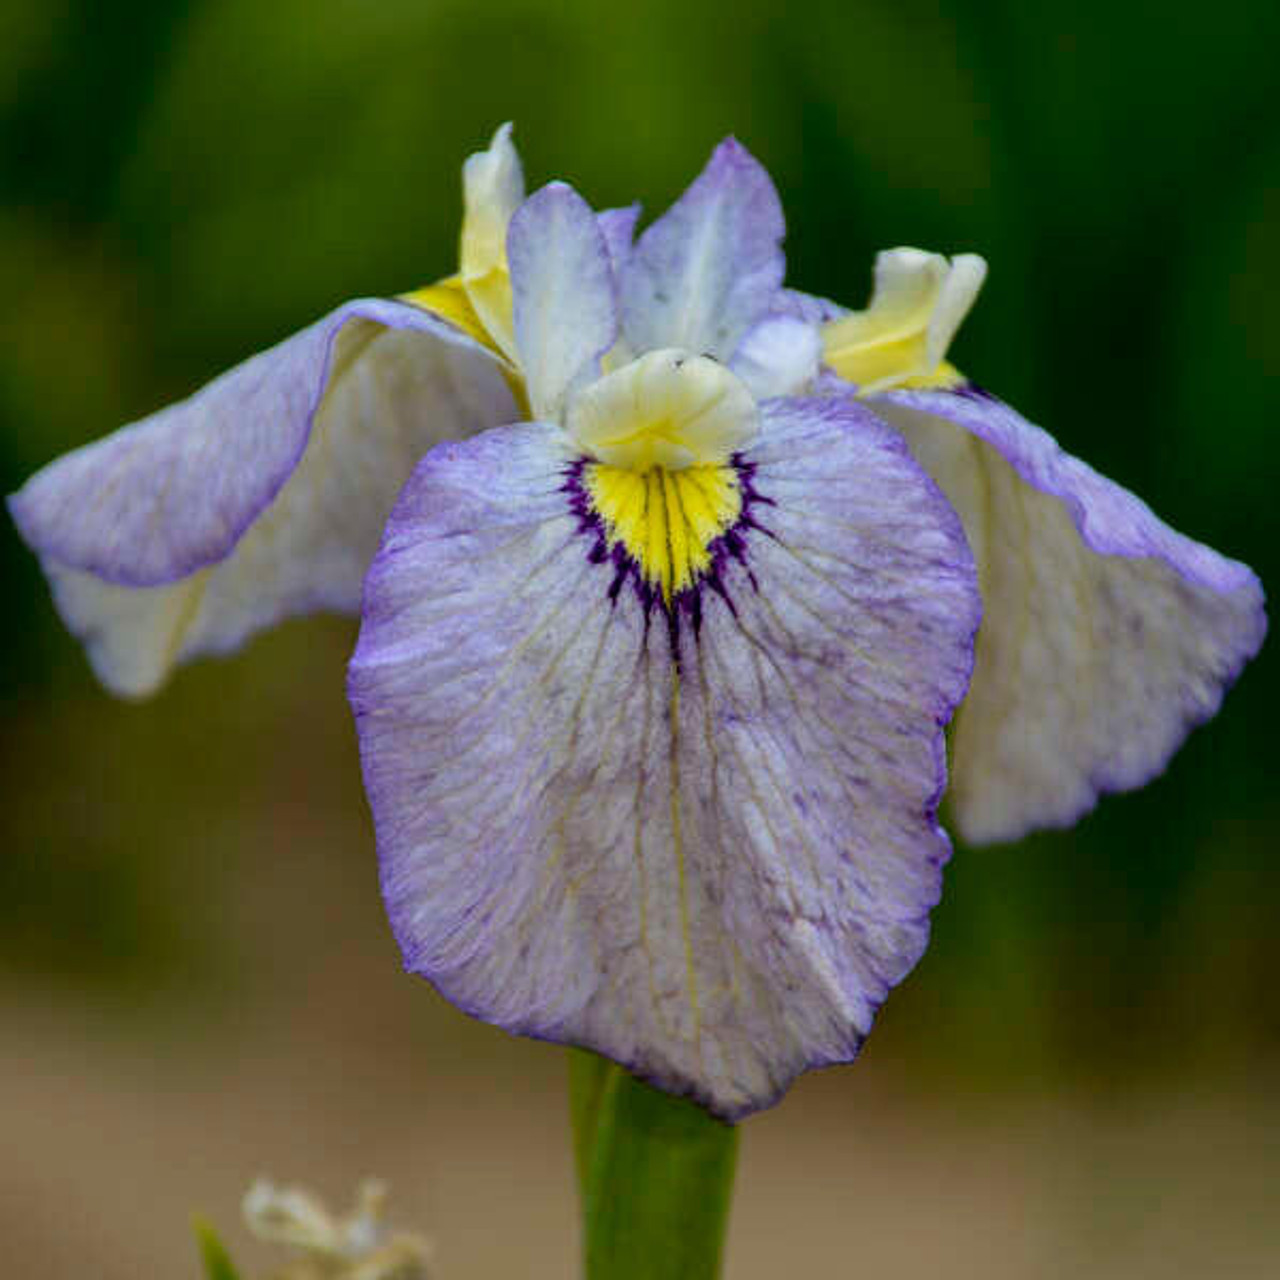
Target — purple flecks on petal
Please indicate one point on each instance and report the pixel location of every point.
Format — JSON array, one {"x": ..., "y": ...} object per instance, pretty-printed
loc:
[
  {"x": 682, "y": 614},
  {"x": 390, "y": 394}
]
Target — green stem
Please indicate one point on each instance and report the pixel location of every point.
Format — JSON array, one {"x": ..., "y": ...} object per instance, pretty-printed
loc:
[
  {"x": 216, "y": 1259},
  {"x": 655, "y": 1174}
]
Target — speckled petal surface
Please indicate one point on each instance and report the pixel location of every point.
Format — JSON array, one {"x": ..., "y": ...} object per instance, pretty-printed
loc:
[
  {"x": 261, "y": 496},
  {"x": 1106, "y": 636},
  {"x": 699, "y": 839},
  {"x": 566, "y": 311},
  {"x": 711, "y": 265}
]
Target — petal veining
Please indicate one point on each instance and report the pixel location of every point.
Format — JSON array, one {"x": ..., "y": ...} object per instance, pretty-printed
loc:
[
  {"x": 662, "y": 524},
  {"x": 1106, "y": 635},
  {"x": 259, "y": 497},
  {"x": 711, "y": 265},
  {"x": 709, "y": 863}
]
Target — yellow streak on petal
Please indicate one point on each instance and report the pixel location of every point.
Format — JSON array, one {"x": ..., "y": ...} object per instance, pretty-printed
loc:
[
  {"x": 666, "y": 520},
  {"x": 858, "y": 354},
  {"x": 879, "y": 364},
  {"x": 944, "y": 377},
  {"x": 491, "y": 298},
  {"x": 492, "y": 190},
  {"x": 450, "y": 299},
  {"x": 478, "y": 298}
]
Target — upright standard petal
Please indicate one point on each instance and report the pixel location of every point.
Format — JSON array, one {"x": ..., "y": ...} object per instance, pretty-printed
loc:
[
  {"x": 711, "y": 265},
  {"x": 1106, "y": 636},
  {"x": 260, "y": 496},
  {"x": 672, "y": 798},
  {"x": 566, "y": 313}
]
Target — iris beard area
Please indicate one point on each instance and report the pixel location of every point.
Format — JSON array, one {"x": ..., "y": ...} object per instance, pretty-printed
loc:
[{"x": 667, "y": 534}]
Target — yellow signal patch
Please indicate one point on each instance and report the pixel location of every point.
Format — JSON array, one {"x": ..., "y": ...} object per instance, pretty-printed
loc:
[{"x": 666, "y": 520}]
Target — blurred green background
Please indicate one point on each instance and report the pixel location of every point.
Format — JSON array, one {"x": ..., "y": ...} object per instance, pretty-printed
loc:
[{"x": 195, "y": 978}]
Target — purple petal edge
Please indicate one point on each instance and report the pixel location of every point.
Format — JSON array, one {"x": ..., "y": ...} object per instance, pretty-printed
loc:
[
  {"x": 846, "y": 413},
  {"x": 72, "y": 515},
  {"x": 1110, "y": 521}
]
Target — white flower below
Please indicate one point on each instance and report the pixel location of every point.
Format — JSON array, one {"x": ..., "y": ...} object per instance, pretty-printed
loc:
[{"x": 354, "y": 1246}]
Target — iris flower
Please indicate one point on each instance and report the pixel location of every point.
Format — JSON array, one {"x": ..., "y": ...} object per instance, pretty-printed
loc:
[{"x": 667, "y": 617}]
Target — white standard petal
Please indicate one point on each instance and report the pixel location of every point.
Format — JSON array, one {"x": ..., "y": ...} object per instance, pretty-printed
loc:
[
  {"x": 693, "y": 830},
  {"x": 260, "y": 497},
  {"x": 565, "y": 308},
  {"x": 711, "y": 266},
  {"x": 1106, "y": 636}
]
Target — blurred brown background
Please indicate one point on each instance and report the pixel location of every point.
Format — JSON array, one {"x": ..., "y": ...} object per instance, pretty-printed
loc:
[{"x": 196, "y": 981}]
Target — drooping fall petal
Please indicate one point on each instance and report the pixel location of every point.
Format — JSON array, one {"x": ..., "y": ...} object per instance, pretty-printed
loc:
[
  {"x": 260, "y": 496},
  {"x": 683, "y": 814},
  {"x": 1106, "y": 635}
]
